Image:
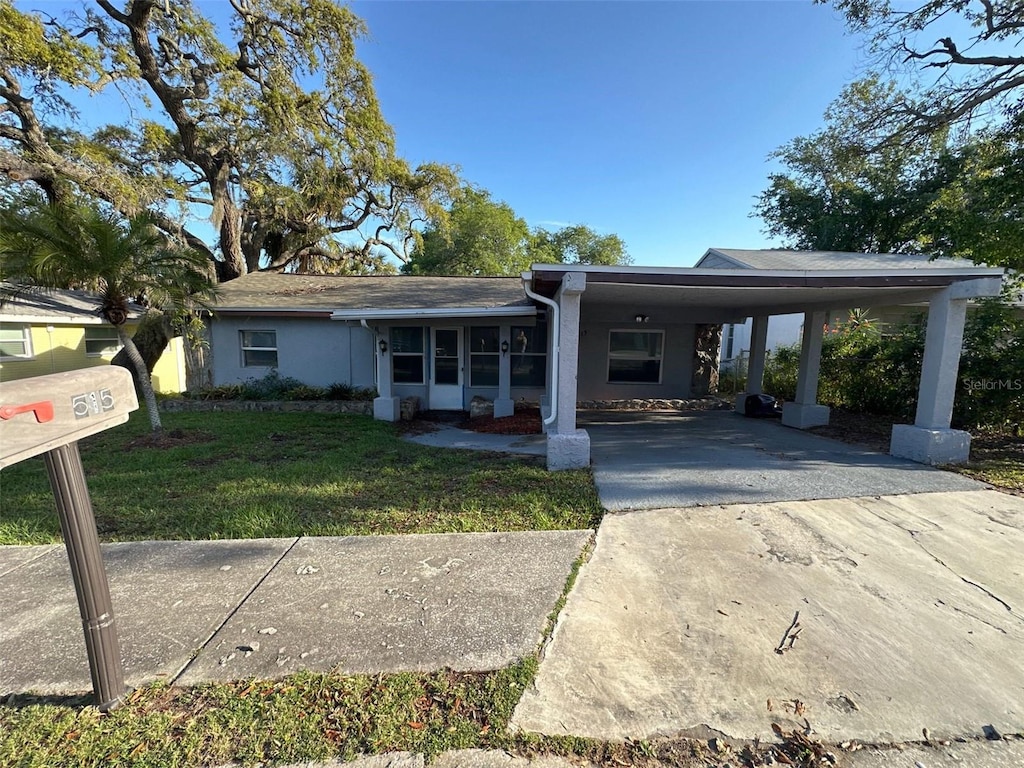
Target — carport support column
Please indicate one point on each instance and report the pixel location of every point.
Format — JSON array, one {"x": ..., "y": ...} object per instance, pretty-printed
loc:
[
  {"x": 805, "y": 412},
  {"x": 568, "y": 447},
  {"x": 930, "y": 440},
  {"x": 386, "y": 407},
  {"x": 755, "y": 368},
  {"x": 503, "y": 405}
]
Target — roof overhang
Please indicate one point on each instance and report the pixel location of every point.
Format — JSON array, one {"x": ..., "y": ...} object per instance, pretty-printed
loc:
[
  {"x": 749, "y": 291},
  {"x": 434, "y": 313}
]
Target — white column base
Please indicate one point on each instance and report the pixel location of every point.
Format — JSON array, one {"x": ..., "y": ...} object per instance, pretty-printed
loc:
[
  {"x": 387, "y": 408},
  {"x": 568, "y": 451},
  {"x": 930, "y": 446},
  {"x": 741, "y": 403},
  {"x": 503, "y": 408},
  {"x": 804, "y": 415}
]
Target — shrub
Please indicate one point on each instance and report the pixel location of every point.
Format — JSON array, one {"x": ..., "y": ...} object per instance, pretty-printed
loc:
[
  {"x": 866, "y": 372},
  {"x": 342, "y": 391},
  {"x": 273, "y": 386},
  {"x": 305, "y": 392}
]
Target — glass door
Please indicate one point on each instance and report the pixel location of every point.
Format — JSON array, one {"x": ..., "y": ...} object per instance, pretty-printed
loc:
[{"x": 446, "y": 371}]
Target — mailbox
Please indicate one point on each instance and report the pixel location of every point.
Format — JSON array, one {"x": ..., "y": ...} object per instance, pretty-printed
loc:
[
  {"x": 49, "y": 415},
  {"x": 45, "y": 412}
]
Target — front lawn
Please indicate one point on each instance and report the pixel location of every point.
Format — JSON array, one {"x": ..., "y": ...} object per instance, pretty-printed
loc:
[{"x": 248, "y": 475}]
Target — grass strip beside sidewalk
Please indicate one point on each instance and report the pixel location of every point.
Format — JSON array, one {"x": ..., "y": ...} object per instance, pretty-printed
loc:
[{"x": 242, "y": 475}]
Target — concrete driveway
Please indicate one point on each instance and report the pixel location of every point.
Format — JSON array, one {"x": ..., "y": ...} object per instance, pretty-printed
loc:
[
  {"x": 906, "y": 614},
  {"x": 659, "y": 460},
  {"x": 778, "y": 577}
]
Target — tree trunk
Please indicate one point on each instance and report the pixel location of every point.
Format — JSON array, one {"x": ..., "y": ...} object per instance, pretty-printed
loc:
[
  {"x": 142, "y": 378},
  {"x": 151, "y": 339},
  {"x": 707, "y": 340}
]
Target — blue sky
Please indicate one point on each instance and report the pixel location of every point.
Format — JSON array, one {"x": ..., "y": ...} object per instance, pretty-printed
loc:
[{"x": 651, "y": 120}]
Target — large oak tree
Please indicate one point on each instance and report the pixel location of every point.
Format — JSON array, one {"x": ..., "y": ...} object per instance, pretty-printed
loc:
[{"x": 269, "y": 126}]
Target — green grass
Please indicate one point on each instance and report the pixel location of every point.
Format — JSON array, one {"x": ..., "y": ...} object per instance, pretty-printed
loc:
[
  {"x": 301, "y": 718},
  {"x": 248, "y": 475},
  {"x": 997, "y": 458}
]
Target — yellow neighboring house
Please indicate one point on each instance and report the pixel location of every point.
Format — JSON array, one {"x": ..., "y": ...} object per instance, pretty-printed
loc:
[{"x": 57, "y": 331}]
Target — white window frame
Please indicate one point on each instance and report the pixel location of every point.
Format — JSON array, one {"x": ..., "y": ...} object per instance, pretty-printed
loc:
[
  {"x": 106, "y": 328},
  {"x": 26, "y": 340},
  {"x": 619, "y": 356},
  {"x": 422, "y": 355},
  {"x": 515, "y": 354},
  {"x": 496, "y": 354},
  {"x": 249, "y": 348}
]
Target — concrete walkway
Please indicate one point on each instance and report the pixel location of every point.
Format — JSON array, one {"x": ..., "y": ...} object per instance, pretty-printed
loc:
[
  {"x": 646, "y": 460},
  {"x": 447, "y": 436},
  {"x": 225, "y": 610}
]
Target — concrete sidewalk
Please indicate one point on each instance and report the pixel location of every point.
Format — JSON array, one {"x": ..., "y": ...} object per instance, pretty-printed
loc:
[{"x": 224, "y": 610}]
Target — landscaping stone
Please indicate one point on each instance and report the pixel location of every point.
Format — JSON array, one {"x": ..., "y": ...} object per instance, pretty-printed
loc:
[
  {"x": 656, "y": 404},
  {"x": 480, "y": 406},
  {"x": 409, "y": 406}
]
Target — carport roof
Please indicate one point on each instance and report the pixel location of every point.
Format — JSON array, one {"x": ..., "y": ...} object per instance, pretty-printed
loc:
[
  {"x": 745, "y": 291},
  {"x": 825, "y": 260}
]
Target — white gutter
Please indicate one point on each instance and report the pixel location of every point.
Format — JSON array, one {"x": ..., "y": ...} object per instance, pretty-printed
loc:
[
  {"x": 431, "y": 314},
  {"x": 555, "y": 338},
  {"x": 960, "y": 272}
]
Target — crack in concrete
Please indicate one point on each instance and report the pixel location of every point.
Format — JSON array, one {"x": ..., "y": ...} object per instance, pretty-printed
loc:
[
  {"x": 209, "y": 639},
  {"x": 914, "y": 537},
  {"x": 956, "y": 609}
]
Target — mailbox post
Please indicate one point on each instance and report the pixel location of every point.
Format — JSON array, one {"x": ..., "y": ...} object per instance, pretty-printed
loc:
[{"x": 49, "y": 415}]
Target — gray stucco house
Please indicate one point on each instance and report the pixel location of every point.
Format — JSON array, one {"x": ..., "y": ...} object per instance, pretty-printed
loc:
[{"x": 564, "y": 333}]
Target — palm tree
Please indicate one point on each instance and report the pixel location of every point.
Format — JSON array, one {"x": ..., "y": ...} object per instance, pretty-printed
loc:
[{"x": 77, "y": 246}]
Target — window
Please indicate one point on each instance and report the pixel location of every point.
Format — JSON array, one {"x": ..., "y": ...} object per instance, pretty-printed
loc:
[
  {"x": 634, "y": 357},
  {"x": 101, "y": 340},
  {"x": 259, "y": 349},
  {"x": 407, "y": 355},
  {"x": 530, "y": 355},
  {"x": 15, "y": 341},
  {"x": 484, "y": 356}
]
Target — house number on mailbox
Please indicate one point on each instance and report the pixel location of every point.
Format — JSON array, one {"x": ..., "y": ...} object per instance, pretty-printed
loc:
[{"x": 91, "y": 403}]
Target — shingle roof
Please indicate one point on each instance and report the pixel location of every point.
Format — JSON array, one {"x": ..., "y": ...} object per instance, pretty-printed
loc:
[
  {"x": 58, "y": 305},
  {"x": 816, "y": 260},
  {"x": 265, "y": 290}
]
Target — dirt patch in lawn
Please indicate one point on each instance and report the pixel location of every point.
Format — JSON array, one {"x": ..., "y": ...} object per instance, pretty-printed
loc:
[{"x": 173, "y": 438}]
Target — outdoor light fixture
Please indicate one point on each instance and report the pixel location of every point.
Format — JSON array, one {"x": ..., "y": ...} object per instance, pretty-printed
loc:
[
  {"x": 641, "y": 318},
  {"x": 504, "y": 346},
  {"x": 383, "y": 346}
]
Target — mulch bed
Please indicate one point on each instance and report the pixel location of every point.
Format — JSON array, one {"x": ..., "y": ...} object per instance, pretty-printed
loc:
[
  {"x": 525, "y": 421},
  {"x": 864, "y": 429}
]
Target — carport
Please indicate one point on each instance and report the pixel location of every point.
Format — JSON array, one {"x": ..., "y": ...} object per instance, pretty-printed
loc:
[{"x": 716, "y": 292}]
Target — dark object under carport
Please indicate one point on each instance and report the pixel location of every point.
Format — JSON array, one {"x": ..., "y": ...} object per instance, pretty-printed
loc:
[{"x": 762, "y": 407}]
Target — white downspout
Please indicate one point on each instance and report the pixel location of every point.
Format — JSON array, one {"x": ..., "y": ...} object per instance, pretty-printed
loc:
[
  {"x": 555, "y": 337},
  {"x": 376, "y": 362}
]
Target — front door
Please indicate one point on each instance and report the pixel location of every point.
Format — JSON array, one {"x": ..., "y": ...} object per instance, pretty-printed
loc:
[{"x": 446, "y": 372}]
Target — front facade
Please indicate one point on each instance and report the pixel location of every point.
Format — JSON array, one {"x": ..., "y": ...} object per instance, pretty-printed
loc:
[
  {"x": 568, "y": 333},
  {"x": 59, "y": 331},
  {"x": 444, "y": 341}
]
